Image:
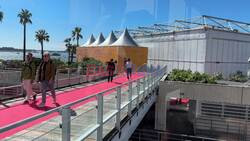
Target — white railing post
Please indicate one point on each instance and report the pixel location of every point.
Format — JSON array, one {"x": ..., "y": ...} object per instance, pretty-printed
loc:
[
  {"x": 78, "y": 73},
  {"x": 57, "y": 78},
  {"x": 66, "y": 113},
  {"x": 68, "y": 76},
  {"x": 138, "y": 93},
  {"x": 148, "y": 85},
  {"x": 118, "y": 106},
  {"x": 144, "y": 87},
  {"x": 100, "y": 116},
  {"x": 151, "y": 77},
  {"x": 130, "y": 98}
]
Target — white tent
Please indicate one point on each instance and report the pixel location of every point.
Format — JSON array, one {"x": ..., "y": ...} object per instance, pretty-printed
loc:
[
  {"x": 109, "y": 40},
  {"x": 125, "y": 40},
  {"x": 98, "y": 41},
  {"x": 90, "y": 41}
]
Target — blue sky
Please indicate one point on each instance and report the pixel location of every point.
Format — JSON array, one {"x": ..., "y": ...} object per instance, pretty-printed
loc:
[{"x": 59, "y": 17}]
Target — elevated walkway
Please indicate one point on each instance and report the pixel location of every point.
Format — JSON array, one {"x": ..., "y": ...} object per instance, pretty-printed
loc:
[{"x": 97, "y": 112}]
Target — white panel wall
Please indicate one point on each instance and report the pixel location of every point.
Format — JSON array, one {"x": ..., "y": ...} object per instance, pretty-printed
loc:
[{"x": 231, "y": 50}]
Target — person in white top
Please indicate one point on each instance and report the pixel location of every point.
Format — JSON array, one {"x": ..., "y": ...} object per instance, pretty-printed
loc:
[{"x": 129, "y": 68}]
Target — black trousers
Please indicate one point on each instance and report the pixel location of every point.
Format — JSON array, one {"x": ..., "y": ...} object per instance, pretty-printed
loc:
[
  {"x": 129, "y": 72},
  {"x": 110, "y": 77}
]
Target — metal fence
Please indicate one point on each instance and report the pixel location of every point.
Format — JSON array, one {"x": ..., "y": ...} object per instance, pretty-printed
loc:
[
  {"x": 63, "y": 78},
  {"x": 10, "y": 77},
  {"x": 127, "y": 96}
]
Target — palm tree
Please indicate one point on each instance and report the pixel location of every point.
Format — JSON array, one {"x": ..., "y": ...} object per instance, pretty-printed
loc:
[
  {"x": 1, "y": 16},
  {"x": 42, "y": 35},
  {"x": 69, "y": 46},
  {"x": 24, "y": 16},
  {"x": 76, "y": 35}
]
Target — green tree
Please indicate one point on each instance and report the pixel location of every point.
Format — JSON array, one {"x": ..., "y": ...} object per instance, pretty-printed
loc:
[
  {"x": 76, "y": 35},
  {"x": 1, "y": 16},
  {"x": 42, "y": 35},
  {"x": 68, "y": 45},
  {"x": 25, "y": 18}
]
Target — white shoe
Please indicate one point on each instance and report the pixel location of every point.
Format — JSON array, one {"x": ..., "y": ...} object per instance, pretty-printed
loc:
[{"x": 41, "y": 105}]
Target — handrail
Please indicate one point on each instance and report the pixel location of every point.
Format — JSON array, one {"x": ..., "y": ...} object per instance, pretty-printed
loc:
[
  {"x": 64, "y": 77},
  {"x": 64, "y": 108}
]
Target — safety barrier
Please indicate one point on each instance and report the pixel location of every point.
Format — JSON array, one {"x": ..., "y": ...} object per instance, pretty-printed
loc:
[
  {"x": 127, "y": 97},
  {"x": 64, "y": 78}
]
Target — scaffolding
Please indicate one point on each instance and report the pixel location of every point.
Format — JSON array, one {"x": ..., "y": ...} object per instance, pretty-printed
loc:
[{"x": 203, "y": 21}]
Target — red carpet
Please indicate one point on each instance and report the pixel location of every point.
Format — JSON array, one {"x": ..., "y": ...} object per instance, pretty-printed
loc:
[{"x": 22, "y": 111}]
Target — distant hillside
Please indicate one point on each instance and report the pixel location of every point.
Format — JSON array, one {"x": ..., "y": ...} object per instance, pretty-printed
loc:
[
  {"x": 20, "y": 50},
  {"x": 9, "y": 49}
]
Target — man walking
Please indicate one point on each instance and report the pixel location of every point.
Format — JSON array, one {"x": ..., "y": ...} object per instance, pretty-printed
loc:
[
  {"x": 46, "y": 75},
  {"x": 28, "y": 76},
  {"x": 111, "y": 69}
]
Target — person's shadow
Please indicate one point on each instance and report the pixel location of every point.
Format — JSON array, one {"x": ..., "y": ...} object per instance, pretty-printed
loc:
[{"x": 45, "y": 108}]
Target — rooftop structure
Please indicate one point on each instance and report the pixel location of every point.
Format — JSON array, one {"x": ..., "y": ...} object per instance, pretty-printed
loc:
[
  {"x": 125, "y": 40},
  {"x": 109, "y": 40},
  {"x": 98, "y": 41},
  {"x": 203, "y": 21},
  {"x": 90, "y": 41}
]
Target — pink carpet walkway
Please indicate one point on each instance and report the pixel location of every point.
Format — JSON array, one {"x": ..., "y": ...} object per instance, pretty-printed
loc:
[{"x": 21, "y": 111}]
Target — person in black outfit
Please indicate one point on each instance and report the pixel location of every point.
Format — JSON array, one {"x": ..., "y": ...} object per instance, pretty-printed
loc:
[{"x": 111, "y": 69}]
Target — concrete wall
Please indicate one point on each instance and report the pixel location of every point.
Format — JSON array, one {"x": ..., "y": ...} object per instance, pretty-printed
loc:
[
  {"x": 208, "y": 92},
  {"x": 161, "y": 104},
  {"x": 195, "y": 91}
]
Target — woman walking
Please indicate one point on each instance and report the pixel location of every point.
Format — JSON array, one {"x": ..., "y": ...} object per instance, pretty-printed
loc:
[{"x": 129, "y": 68}]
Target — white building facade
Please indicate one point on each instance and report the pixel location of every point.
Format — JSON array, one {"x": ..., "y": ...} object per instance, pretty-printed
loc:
[{"x": 203, "y": 49}]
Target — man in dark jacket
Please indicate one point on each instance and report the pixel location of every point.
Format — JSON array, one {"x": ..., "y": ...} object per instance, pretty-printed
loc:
[
  {"x": 111, "y": 69},
  {"x": 46, "y": 75}
]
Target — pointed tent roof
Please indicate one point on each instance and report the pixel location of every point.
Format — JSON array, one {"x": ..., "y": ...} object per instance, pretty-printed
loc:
[
  {"x": 125, "y": 40},
  {"x": 90, "y": 41},
  {"x": 98, "y": 41},
  {"x": 109, "y": 40}
]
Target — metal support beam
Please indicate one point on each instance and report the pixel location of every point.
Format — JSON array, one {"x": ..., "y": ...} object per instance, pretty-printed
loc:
[
  {"x": 118, "y": 107},
  {"x": 66, "y": 123},
  {"x": 100, "y": 116},
  {"x": 138, "y": 93},
  {"x": 130, "y": 92}
]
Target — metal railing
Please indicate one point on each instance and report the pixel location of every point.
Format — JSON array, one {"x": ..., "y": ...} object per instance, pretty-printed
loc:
[
  {"x": 127, "y": 96},
  {"x": 63, "y": 78}
]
